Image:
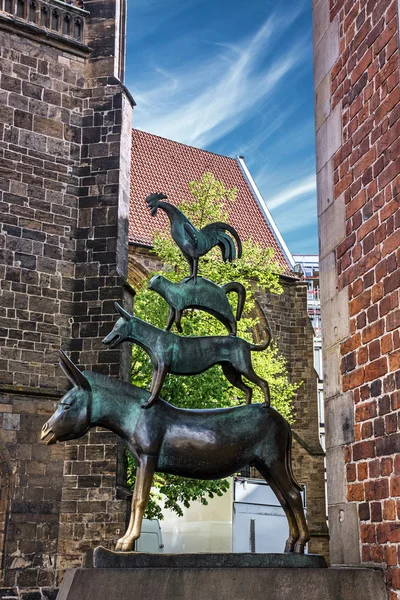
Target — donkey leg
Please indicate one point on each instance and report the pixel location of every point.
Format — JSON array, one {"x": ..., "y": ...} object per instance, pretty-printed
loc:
[
  {"x": 293, "y": 498},
  {"x": 121, "y": 541},
  {"x": 156, "y": 384},
  {"x": 292, "y": 522},
  {"x": 235, "y": 379},
  {"x": 143, "y": 486}
]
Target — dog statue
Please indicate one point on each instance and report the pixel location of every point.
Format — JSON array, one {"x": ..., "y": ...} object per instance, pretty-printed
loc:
[{"x": 170, "y": 353}]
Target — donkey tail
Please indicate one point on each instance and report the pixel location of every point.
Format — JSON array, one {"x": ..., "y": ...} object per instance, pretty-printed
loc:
[
  {"x": 235, "y": 286},
  {"x": 265, "y": 344},
  {"x": 289, "y": 461}
]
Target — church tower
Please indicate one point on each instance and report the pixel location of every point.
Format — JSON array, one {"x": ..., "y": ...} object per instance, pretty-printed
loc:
[{"x": 65, "y": 135}]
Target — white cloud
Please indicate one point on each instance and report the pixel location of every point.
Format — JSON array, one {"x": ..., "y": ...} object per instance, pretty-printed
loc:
[
  {"x": 201, "y": 102},
  {"x": 295, "y": 190}
]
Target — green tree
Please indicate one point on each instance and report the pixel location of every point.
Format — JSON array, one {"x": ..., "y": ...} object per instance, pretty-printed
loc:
[{"x": 256, "y": 269}]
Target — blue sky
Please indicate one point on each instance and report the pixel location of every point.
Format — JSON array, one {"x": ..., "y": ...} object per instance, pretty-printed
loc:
[{"x": 233, "y": 77}]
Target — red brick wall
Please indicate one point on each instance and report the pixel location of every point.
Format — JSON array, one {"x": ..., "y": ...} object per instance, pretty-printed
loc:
[{"x": 366, "y": 169}]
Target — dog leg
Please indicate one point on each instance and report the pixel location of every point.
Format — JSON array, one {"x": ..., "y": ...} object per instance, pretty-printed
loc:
[
  {"x": 157, "y": 382},
  {"x": 235, "y": 378},
  {"x": 252, "y": 376}
]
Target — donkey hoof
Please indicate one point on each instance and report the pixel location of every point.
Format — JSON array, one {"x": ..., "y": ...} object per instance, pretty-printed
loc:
[
  {"x": 124, "y": 545},
  {"x": 290, "y": 542},
  {"x": 119, "y": 544},
  {"x": 299, "y": 548}
]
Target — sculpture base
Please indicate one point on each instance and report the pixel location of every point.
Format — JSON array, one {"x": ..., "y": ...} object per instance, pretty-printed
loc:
[
  {"x": 218, "y": 582},
  {"x": 107, "y": 559}
]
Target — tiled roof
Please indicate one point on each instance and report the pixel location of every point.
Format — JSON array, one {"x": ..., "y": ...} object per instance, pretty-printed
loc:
[{"x": 161, "y": 165}]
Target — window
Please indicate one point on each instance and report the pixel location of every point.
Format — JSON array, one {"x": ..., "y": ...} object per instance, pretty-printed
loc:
[
  {"x": 20, "y": 8},
  {"x": 66, "y": 29},
  {"x": 55, "y": 20},
  {"x": 32, "y": 12},
  {"x": 78, "y": 29},
  {"x": 44, "y": 16}
]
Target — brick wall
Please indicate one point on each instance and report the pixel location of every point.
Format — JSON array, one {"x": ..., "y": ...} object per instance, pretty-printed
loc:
[
  {"x": 293, "y": 333},
  {"x": 64, "y": 195},
  {"x": 357, "y": 120}
]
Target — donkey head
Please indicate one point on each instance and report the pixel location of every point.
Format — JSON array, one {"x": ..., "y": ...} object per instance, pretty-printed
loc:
[
  {"x": 121, "y": 328},
  {"x": 72, "y": 417}
]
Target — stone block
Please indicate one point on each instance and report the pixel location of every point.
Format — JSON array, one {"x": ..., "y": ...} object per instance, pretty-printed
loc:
[
  {"x": 339, "y": 420},
  {"x": 328, "y": 277},
  {"x": 11, "y": 421},
  {"x": 109, "y": 559},
  {"x": 326, "y": 52},
  {"x": 322, "y": 101},
  {"x": 344, "y": 532},
  {"x": 336, "y": 475},
  {"x": 335, "y": 319},
  {"x": 331, "y": 371},
  {"x": 223, "y": 584},
  {"x": 334, "y": 128},
  {"x": 328, "y": 138},
  {"x": 320, "y": 13},
  {"x": 332, "y": 225}
]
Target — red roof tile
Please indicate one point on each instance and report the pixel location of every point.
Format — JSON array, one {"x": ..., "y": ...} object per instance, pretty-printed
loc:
[{"x": 161, "y": 165}]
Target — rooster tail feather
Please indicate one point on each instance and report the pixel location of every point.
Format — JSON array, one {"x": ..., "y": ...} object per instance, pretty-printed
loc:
[
  {"x": 216, "y": 234},
  {"x": 222, "y": 246},
  {"x": 234, "y": 233},
  {"x": 227, "y": 247}
]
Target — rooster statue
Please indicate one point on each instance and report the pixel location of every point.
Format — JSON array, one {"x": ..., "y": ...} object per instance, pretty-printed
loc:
[{"x": 193, "y": 242}]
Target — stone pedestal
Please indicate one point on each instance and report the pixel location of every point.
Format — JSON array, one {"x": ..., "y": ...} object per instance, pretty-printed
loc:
[{"x": 221, "y": 578}]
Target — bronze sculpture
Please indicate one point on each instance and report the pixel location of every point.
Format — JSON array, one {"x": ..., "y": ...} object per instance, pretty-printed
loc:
[
  {"x": 205, "y": 295},
  {"x": 203, "y": 444},
  {"x": 170, "y": 353},
  {"x": 192, "y": 242}
]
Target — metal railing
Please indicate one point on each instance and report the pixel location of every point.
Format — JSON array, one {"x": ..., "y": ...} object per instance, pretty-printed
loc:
[{"x": 65, "y": 17}]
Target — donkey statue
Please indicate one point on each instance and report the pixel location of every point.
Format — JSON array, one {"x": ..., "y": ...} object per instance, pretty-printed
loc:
[{"x": 201, "y": 444}]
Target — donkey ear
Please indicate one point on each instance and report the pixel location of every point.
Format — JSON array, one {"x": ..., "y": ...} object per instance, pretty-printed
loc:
[
  {"x": 73, "y": 373},
  {"x": 124, "y": 314}
]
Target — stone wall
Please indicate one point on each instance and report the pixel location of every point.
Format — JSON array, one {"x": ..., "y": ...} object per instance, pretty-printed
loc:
[
  {"x": 357, "y": 121},
  {"x": 65, "y": 131},
  {"x": 293, "y": 333}
]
